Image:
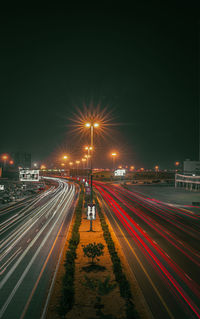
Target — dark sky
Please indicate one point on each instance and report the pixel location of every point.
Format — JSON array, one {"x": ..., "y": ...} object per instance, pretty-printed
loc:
[{"x": 141, "y": 63}]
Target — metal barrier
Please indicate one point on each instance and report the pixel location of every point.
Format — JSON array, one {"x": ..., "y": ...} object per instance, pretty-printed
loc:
[{"x": 190, "y": 182}]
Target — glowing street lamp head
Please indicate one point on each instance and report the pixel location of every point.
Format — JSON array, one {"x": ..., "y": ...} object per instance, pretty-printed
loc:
[
  {"x": 62, "y": 164},
  {"x": 83, "y": 159},
  {"x": 177, "y": 163},
  {"x": 91, "y": 124},
  {"x": 11, "y": 162},
  {"x": 114, "y": 154},
  {"x": 5, "y": 157},
  {"x": 77, "y": 162},
  {"x": 65, "y": 157}
]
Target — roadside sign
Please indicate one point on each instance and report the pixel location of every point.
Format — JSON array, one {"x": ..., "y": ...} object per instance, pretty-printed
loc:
[{"x": 91, "y": 212}]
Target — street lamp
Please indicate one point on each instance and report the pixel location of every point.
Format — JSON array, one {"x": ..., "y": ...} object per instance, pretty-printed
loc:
[
  {"x": 4, "y": 158},
  {"x": 83, "y": 160},
  {"x": 77, "y": 163},
  {"x": 91, "y": 125},
  {"x": 176, "y": 165},
  {"x": 88, "y": 148},
  {"x": 113, "y": 159}
]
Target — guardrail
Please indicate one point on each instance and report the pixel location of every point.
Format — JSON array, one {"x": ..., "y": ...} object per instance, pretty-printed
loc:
[{"x": 187, "y": 181}]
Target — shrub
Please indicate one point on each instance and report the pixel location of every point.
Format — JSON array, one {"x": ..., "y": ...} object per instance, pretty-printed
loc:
[
  {"x": 67, "y": 296},
  {"x": 93, "y": 251}
]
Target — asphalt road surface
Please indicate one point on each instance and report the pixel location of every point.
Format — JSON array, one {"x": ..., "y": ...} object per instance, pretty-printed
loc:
[
  {"x": 32, "y": 234},
  {"x": 161, "y": 244}
]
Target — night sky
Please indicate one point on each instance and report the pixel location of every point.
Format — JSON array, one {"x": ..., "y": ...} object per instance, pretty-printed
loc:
[{"x": 141, "y": 63}]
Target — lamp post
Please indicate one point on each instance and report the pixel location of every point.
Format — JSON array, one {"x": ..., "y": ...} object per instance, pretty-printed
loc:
[
  {"x": 88, "y": 148},
  {"x": 83, "y": 162},
  {"x": 71, "y": 166},
  {"x": 4, "y": 157},
  {"x": 156, "y": 169},
  {"x": 91, "y": 125},
  {"x": 176, "y": 165},
  {"x": 77, "y": 163},
  {"x": 113, "y": 162}
]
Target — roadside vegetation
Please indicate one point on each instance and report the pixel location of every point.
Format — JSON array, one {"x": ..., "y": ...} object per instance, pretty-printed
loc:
[{"x": 67, "y": 295}]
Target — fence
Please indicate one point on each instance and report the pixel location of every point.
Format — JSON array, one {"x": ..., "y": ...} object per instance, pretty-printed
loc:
[{"x": 188, "y": 181}]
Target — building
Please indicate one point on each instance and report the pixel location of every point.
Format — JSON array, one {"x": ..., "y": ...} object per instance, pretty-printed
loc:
[{"x": 191, "y": 167}]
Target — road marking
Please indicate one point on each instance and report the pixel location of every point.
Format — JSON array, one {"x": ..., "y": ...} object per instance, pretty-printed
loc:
[
  {"x": 188, "y": 276},
  {"x": 40, "y": 275},
  {"x": 9, "y": 261},
  {"x": 3, "y": 309}
]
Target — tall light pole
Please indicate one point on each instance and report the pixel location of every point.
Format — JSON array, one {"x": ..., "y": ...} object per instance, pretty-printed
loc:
[
  {"x": 71, "y": 166},
  {"x": 91, "y": 125},
  {"x": 88, "y": 148},
  {"x": 176, "y": 166},
  {"x": 5, "y": 158},
  {"x": 83, "y": 162},
  {"x": 77, "y": 163},
  {"x": 114, "y": 154}
]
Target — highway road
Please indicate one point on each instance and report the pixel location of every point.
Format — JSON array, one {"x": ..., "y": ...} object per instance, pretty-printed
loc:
[
  {"x": 32, "y": 234},
  {"x": 161, "y": 244}
]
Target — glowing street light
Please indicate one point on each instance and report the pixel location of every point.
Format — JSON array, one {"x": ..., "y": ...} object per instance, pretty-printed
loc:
[
  {"x": 88, "y": 148},
  {"x": 65, "y": 157},
  {"x": 91, "y": 125},
  {"x": 77, "y": 164},
  {"x": 176, "y": 165},
  {"x": 4, "y": 158},
  {"x": 83, "y": 161},
  {"x": 156, "y": 168},
  {"x": 114, "y": 154},
  {"x": 11, "y": 162}
]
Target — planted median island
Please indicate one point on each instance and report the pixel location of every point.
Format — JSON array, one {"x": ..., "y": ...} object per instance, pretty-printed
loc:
[{"x": 91, "y": 282}]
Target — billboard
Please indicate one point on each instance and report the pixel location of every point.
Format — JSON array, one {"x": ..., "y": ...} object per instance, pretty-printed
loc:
[
  {"x": 120, "y": 172},
  {"x": 29, "y": 175}
]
